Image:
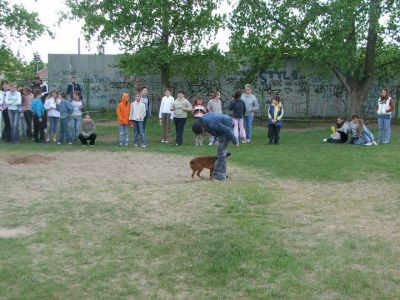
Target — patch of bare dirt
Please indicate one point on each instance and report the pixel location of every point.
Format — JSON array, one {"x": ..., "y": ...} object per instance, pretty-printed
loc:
[
  {"x": 15, "y": 232},
  {"x": 28, "y": 159}
]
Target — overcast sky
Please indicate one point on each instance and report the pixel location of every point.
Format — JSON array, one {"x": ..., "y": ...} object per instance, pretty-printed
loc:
[{"x": 66, "y": 36}]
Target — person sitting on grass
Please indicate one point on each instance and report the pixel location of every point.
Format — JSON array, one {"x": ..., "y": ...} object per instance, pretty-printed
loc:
[
  {"x": 353, "y": 129},
  {"x": 365, "y": 136},
  {"x": 339, "y": 132},
  {"x": 88, "y": 131}
]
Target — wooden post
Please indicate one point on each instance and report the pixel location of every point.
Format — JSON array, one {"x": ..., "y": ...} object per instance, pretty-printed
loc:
[{"x": 308, "y": 104}]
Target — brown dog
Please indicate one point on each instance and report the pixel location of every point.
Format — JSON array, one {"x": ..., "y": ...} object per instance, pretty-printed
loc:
[{"x": 197, "y": 164}]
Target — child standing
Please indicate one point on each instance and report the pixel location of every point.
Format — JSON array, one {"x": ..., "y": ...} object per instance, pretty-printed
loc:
[
  {"x": 123, "y": 110},
  {"x": 180, "y": 107},
  {"x": 53, "y": 115},
  {"x": 27, "y": 102},
  {"x": 38, "y": 112},
  {"x": 13, "y": 102},
  {"x": 165, "y": 115},
  {"x": 198, "y": 111},
  {"x": 87, "y": 131},
  {"x": 384, "y": 112},
  {"x": 137, "y": 114},
  {"x": 77, "y": 114},
  {"x": 238, "y": 108},
  {"x": 275, "y": 114},
  {"x": 66, "y": 109},
  {"x": 214, "y": 105}
]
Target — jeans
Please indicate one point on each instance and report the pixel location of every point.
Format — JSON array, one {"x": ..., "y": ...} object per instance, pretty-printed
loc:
[
  {"x": 28, "y": 120},
  {"x": 75, "y": 124},
  {"x": 179, "y": 127},
  {"x": 14, "y": 116},
  {"x": 91, "y": 138},
  {"x": 6, "y": 136},
  {"x": 248, "y": 124},
  {"x": 219, "y": 172},
  {"x": 38, "y": 129},
  {"x": 273, "y": 133},
  {"x": 65, "y": 130},
  {"x": 139, "y": 133},
  {"x": 123, "y": 134},
  {"x": 384, "y": 129},
  {"x": 53, "y": 125}
]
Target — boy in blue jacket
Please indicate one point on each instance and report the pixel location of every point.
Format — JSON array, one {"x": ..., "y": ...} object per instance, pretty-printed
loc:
[
  {"x": 221, "y": 126},
  {"x": 275, "y": 114},
  {"x": 66, "y": 109},
  {"x": 38, "y": 113}
]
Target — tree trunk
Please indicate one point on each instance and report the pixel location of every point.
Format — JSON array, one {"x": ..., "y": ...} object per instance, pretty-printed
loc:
[
  {"x": 355, "y": 99},
  {"x": 165, "y": 77}
]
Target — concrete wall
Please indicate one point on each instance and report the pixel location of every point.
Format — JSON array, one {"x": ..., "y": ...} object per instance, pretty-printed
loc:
[{"x": 103, "y": 83}]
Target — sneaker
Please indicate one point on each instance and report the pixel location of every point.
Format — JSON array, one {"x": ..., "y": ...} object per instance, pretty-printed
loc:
[
  {"x": 375, "y": 143},
  {"x": 369, "y": 144},
  {"x": 144, "y": 146},
  {"x": 58, "y": 143},
  {"x": 210, "y": 143},
  {"x": 325, "y": 140},
  {"x": 126, "y": 144},
  {"x": 244, "y": 142},
  {"x": 248, "y": 141},
  {"x": 163, "y": 141},
  {"x": 121, "y": 144},
  {"x": 135, "y": 145},
  {"x": 69, "y": 143},
  {"x": 167, "y": 142}
]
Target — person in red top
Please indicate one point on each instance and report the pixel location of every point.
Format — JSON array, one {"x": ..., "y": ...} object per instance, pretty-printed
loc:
[
  {"x": 123, "y": 110},
  {"x": 198, "y": 111}
]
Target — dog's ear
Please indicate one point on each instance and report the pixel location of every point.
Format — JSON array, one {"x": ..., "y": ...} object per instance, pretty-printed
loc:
[{"x": 228, "y": 154}]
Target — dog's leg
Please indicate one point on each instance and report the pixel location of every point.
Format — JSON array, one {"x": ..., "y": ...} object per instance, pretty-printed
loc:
[
  {"x": 211, "y": 171},
  {"x": 194, "y": 171},
  {"x": 198, "y": 172}
]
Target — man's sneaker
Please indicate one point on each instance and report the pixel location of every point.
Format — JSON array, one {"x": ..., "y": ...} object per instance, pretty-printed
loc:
[
  {"x": 144, "y": 146},
  {"x": 58, "y": 143},
  {"x": 135, "y": 145},
  {"x": 325, "y": 140},
  {"x": 244, "y": 142},
  {"x": 163, "y": 141}
]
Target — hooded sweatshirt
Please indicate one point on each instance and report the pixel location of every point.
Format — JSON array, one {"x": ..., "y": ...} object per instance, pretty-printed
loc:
[{"x": 123, "y": 110}]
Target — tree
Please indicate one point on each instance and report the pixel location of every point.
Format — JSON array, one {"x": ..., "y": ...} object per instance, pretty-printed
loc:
[
  {"x": 357, "y": 40},
  {"x": 16, "y": 24},
  {"x": 156, "y": 34}
]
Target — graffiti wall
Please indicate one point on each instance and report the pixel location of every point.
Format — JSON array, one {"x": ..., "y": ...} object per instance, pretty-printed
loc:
[{"x": 103, "y": 83}]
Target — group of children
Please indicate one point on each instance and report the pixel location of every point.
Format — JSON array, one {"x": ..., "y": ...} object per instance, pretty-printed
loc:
[
  {"x": 242, "y": 106},
  {"x": 55, "y": 119},
  {"x": 360, "y": 134}
]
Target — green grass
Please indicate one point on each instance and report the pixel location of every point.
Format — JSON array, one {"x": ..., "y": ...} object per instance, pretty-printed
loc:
[{"x": 285, "y": 230}]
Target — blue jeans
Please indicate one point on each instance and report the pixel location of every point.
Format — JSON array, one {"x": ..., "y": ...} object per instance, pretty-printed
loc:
[
  {"x": 139, "y": 133},
  {"x": 75, "y": 124},
  {"x": 384, "y": 129},
  {"x": 219, "y": 172},
  {"x": 13, "y": 115},
  {"x": 65, "y": 130},
  {"x": 53, "y": 125},
  {"x": 123, "y": 134},
  {"x": 248, "y": 123}
]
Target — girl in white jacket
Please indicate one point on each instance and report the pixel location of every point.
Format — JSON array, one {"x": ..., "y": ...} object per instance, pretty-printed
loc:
[
  {"x": 53, "y": 115},
  {"x": 137, "y": 114}
]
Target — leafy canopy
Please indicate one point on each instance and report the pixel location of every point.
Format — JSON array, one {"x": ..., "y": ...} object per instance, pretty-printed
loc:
[
  {"x": 154, "y": 33},
  {"x": 324, "y": 34}
]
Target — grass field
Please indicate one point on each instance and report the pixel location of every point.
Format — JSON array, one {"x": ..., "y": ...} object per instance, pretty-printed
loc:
[{"x": 302, "y": 220}]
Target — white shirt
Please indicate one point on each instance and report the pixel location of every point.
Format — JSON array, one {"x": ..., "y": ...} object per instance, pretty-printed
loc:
[
  {"x": 165, "y": 106},
  {"x": 13, "y": 99},
  {"x": 51, "y": 106},
  {"x": 384, "y": 106}
]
